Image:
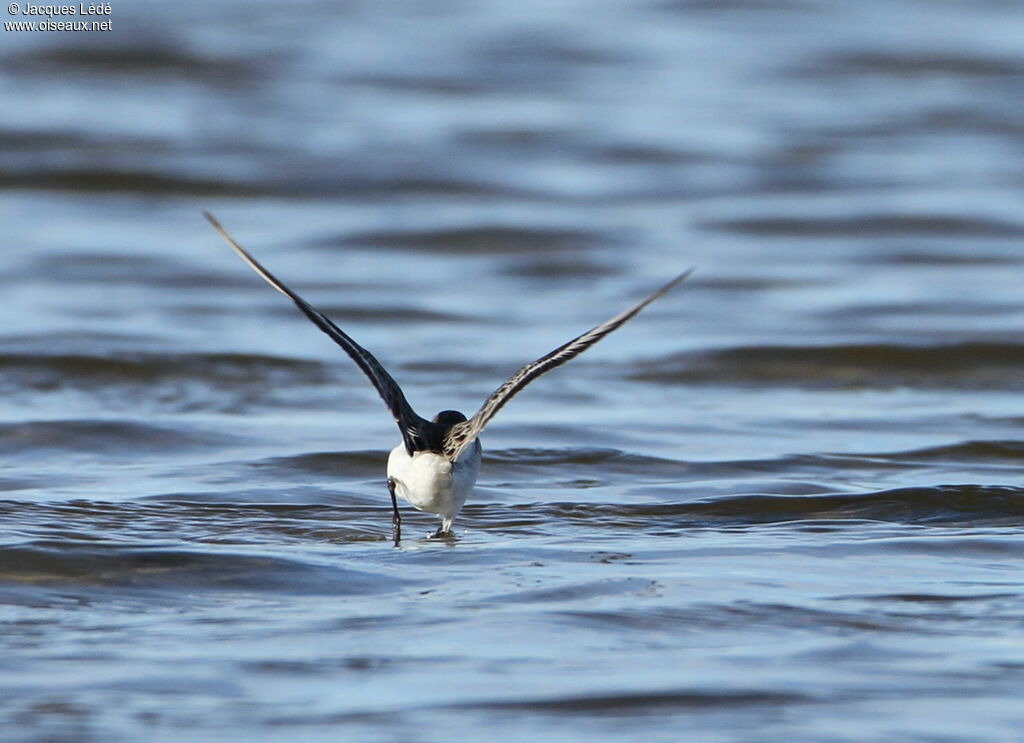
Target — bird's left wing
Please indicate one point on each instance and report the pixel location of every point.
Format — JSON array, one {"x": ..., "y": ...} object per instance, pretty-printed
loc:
[{"x": 461, "y": 435}]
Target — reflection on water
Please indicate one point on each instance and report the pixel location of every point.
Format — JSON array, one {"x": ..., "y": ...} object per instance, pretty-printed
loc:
[{"x": 783, "y": 504}]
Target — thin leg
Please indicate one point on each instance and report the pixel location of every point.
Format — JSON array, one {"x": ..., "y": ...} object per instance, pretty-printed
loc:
[
  {"x": 444, "y": 531},
  {"x": 396, "y": 517}
]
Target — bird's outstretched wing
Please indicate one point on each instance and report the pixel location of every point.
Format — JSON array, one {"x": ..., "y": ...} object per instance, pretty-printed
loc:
[
  {"x": 414, "y": 428},
  {"x": 461, "y": 435}
]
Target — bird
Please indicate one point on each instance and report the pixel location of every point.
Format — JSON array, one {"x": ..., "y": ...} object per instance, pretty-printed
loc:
[{"x": 437, "y": 462}]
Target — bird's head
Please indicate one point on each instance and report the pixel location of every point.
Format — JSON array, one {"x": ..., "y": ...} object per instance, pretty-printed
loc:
[{"x": 449, "y": 417}]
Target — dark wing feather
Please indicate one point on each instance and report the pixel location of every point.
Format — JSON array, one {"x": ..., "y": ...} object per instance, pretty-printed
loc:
[
  {"x": 461, "y": 435},
  {"x": 412, "y": 426}
]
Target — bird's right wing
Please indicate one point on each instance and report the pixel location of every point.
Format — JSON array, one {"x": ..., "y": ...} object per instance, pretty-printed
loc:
[
  {"x": 461, "y": 435},
  {"x": 412, "y": 426}
]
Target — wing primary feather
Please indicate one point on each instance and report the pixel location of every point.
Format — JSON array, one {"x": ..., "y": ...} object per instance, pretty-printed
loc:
[
  {"x": 411, "y": 425},
  {"x": 461, "y": 435}
]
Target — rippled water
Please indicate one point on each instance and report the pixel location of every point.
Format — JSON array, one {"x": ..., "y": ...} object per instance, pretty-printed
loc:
[{"x": 783, "y": 504}]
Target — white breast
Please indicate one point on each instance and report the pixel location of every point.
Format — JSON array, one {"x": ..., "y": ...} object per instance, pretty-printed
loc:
[{"x": 431, "y": 483}]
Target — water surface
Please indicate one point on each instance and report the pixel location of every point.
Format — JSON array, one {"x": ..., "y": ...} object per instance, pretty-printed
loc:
[{"x": 785, "y": 503}]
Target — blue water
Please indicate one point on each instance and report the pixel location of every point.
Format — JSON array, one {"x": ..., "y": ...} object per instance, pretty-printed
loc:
[{"x": 783, "y": 504}]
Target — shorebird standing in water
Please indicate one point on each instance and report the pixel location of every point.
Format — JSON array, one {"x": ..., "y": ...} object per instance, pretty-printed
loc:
[{"x": 437, "y": 463}]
